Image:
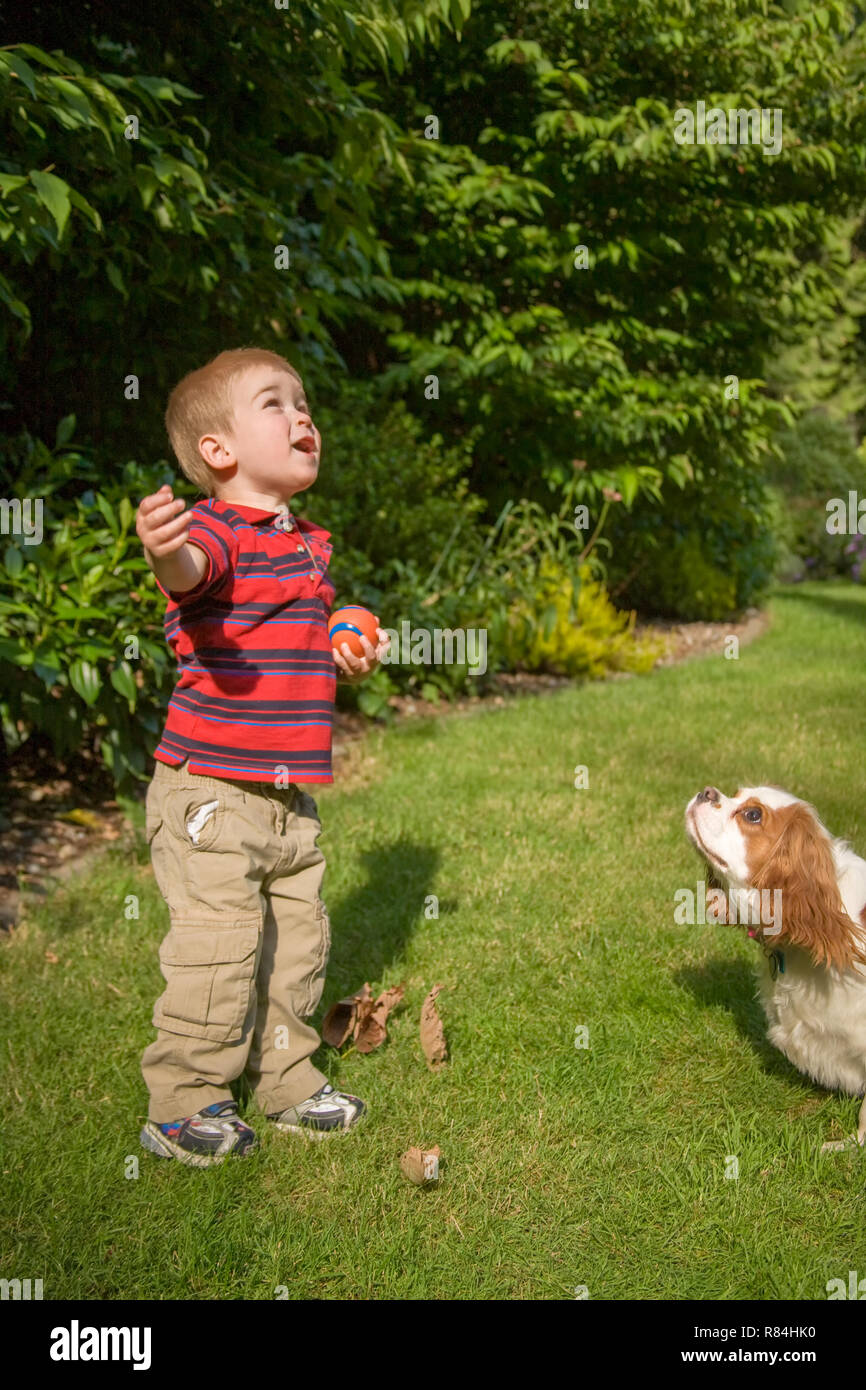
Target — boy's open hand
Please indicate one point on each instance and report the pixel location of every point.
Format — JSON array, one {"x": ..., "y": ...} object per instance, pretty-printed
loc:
[
  {"x": 162, "y": 522},
  {"x": 355, "y": 668}
]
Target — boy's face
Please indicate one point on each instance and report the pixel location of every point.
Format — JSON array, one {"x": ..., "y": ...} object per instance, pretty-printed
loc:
[{"x": 274, "y": 449}]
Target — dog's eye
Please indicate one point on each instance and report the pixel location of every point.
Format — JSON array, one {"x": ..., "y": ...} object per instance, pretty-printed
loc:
[{"x": 752, "y": 813}]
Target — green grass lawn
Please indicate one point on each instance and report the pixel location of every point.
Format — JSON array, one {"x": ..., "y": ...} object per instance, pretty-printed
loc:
[{"x": 602, "y": 1166}]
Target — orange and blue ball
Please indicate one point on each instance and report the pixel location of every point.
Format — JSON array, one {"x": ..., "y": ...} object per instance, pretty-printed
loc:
[{"x": 346, "y": 624}]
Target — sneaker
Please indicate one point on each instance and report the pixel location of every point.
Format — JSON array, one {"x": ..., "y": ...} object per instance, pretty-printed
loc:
[
  {"x": 203, "y": 1139},
  {"x": 327, "y": 1112}
]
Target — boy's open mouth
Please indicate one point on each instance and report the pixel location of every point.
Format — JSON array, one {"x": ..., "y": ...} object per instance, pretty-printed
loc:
[{"x": 306, "y": 446}]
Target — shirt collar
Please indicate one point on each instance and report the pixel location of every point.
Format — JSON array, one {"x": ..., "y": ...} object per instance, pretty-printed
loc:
[{"x": 255, "y": 515}]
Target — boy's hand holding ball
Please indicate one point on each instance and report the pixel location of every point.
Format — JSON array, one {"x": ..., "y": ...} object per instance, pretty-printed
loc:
[{"x": 352, "y": 630}]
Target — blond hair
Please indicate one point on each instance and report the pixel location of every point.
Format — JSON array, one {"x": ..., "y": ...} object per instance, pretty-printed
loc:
[{"x": 201, "y": 403}]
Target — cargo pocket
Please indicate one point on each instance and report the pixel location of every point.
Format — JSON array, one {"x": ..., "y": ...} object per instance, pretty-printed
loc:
[
  {"x": 317, "y": 979},
  {"x": 209, "y": 973}
]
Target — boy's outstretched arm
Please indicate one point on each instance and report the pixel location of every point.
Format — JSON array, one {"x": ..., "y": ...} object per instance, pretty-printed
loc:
[{"x": 162, "y": 525}]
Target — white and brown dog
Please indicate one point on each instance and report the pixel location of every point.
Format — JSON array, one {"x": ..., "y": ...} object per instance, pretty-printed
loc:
[{"x": 765, "y": 847}]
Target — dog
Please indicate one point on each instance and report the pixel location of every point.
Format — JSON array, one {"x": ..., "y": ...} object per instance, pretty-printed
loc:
[{"x": 771, "y": 861}]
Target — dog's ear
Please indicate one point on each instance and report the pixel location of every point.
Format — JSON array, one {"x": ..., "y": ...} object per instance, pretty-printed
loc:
[
  {"x": 713, "y": 880},
  {"x": 717, "y": 897},
  {"x": 801, "y": 866}
]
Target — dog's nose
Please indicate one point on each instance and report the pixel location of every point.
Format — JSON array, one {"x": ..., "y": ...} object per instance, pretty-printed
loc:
[{"x": 710, "y": 794}]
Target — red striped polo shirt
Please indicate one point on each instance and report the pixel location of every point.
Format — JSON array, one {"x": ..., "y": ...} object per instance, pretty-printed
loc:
[{"x": 255, "y": 694}]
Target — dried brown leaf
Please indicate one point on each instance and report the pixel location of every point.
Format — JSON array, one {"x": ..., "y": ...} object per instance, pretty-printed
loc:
[
  {"x": 421, "y": 1165},
  {"x": 342, "y": 1018},
  {"x": 432, "y": 1034},
  {"x": 371, "y": 1030}
]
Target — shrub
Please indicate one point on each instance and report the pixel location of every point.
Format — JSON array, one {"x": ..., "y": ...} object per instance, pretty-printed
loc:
[
  {"x": 82, "y": 653},
  {"x": 706, "y": 552},
  {"x": 856, "y": 549},
  {"x": 818, "y": 461},
  {"x": 692, "y": 587},
  {"x": 575, "y": 630},
  {"x": 529, "y": 582},
  {"x": 390, "y": 498}
]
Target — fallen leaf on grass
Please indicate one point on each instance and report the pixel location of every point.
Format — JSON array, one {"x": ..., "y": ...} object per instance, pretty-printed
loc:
[
  {"x": 362, "y": 1016},
  {"x": 421, "y": 1165},
  {"x": 432, "y": 1034},
  {"x": 342, "y": 1017},
  {"x": 82, "y": 817},
  {"x": 372, "y": 1031},
  {"x": 51, "y": 958}
]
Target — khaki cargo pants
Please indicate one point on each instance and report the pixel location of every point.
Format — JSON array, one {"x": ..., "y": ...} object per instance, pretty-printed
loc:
[{"x": 244, "y": 960}]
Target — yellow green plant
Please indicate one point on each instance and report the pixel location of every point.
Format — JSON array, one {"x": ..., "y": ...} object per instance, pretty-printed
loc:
[{"x": 574, "y": 629}]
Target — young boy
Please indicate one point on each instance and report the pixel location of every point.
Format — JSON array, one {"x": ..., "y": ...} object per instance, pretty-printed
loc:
[{"x": 232, "y": 832}]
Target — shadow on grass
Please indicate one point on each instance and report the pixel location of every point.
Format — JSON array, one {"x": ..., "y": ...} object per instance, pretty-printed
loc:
[
  {"x": 372, "y": 924},
  {"x": 731, "y": 984},
  {"x": 850, "y": 606}
]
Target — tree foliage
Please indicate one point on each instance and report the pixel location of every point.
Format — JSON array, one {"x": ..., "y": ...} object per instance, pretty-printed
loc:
[
  {"x": 251, "y": 135},
  {"x": 305, "y": 127},
  {"x": 557, "y": 132}
]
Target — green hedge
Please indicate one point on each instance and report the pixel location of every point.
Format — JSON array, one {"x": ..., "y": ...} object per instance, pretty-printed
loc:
[
  {"x": 818, "y": 461},
  {"x": 82, "y": 654},
  {"x": 705, "y": 552}
]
